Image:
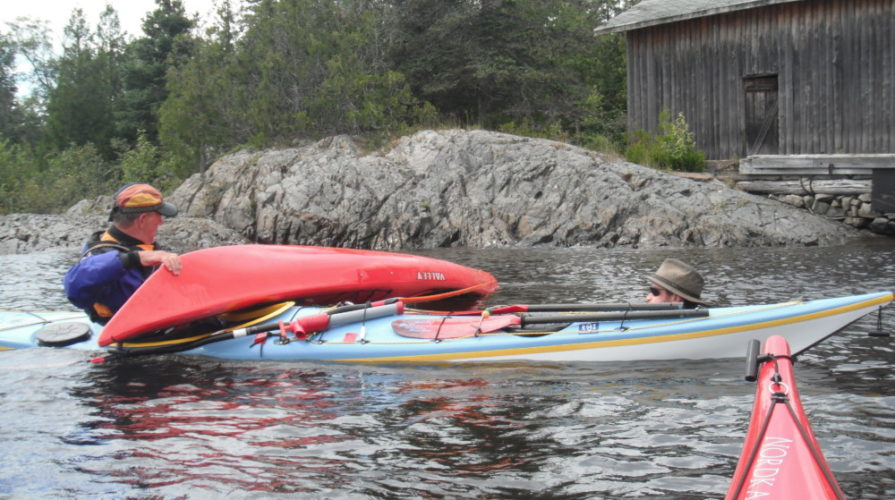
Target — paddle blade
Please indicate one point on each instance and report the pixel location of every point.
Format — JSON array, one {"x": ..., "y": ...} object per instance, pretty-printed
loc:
[{"x": 452, "y": 327}]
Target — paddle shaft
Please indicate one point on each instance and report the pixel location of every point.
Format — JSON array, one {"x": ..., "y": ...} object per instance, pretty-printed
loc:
[
  {"x": 310, "y": 324},
  {"x": 523, "y": 308},
  {"x": 534, "y": 319},
  {"x": 664, "y": 306}
]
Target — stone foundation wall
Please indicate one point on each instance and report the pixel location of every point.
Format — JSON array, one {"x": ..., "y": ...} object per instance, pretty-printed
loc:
[{"x": 854, "y": 210}]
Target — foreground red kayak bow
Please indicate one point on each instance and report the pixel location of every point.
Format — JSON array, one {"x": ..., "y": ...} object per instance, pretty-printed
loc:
[{"x": 781, "y": 458}]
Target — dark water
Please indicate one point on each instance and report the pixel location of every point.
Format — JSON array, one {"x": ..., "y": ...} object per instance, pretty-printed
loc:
[{"x": 176, "y": 427}]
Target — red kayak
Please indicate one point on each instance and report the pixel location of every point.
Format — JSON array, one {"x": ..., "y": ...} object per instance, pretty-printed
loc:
[
  {"x": 781, "y": 458},
  {"x": 230, "y": 278}
]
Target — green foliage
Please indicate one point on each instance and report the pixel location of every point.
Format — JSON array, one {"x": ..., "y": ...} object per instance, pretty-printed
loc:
[
  {"x": 8, "y": 108},
  {"x": 673, "y": 149},
  {"x": 71, "y": 175},
  {"x": 677, "y": 149},
  {"x": 164, "y": 105},
  {"x": 527, "y": 128},
  {"x": 304, "y": 68},
  {"x": 508, "y": 64},
  {"x": 10, "y": 176},
  {"x": 74, "y": 174},
  {"x": 358, "y": 103},
  {"x": 141, "y": 164},
  {"x": 166, "y": 45},
  {"x": 599, "y": 142}
]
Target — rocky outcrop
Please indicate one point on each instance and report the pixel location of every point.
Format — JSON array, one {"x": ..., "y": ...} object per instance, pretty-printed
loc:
[
  {"x": 482, "y": 189},
  {"x": 25, "y": 233},
  {"x": 445, "y": 188}
]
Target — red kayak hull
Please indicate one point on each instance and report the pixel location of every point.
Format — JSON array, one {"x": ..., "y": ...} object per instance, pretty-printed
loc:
[
  {"x": 229, "y": 278},
  {"x": 781, "y": 458}
]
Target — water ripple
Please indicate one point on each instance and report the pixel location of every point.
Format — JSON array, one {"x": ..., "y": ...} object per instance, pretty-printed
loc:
[{"x": 173, "y": 427}]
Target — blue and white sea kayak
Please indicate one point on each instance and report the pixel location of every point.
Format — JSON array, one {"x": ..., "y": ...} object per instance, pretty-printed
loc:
[{"x": 388, "y": 333}]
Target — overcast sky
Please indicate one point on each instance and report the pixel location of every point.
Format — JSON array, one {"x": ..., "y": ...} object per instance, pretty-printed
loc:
[{"x": 57, "y": 13}]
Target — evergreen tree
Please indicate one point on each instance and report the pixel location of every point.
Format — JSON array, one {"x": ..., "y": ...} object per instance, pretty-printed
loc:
[
  {"x": 9, "y": 113},
  {"x": 167, "y": 103},
  {"x": 80, "y": 106},
  {"x": 493, "y": 62},
  {"x": 202, "y": 113},
  {"x": 32, "y": 41},
  {"x": 21, "y": 116},
  {"x": 166, "y": 44},
  {"x": 301, "y": 68}
]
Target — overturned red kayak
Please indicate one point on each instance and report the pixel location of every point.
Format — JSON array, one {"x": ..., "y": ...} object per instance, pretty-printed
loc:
[
  {"x": 781, "y": 458},
  {"x": 230, "y": 278}
]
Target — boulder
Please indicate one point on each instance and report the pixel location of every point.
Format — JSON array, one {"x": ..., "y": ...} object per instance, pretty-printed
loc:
[
  {"x": 446, "y": 188},
  {"x": 26, "y": 233},
  {"x": 482, "y": 189}
]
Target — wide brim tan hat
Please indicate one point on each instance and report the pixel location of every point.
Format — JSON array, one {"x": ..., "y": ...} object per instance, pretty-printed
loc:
[{"x": 680, "y": 279}]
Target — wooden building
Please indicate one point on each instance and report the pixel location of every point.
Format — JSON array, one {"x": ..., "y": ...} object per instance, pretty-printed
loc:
[{"x": 768, "y": 77}]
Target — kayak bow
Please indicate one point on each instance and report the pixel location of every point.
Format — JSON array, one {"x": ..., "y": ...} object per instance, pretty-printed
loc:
[{"x": 781, "y": 458}]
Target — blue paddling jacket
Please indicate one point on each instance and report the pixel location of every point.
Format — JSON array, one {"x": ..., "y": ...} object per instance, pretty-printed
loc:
[{"x": 108, "y": 273}]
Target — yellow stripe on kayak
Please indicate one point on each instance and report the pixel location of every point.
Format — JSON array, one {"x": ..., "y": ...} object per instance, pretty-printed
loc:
[
  {"x": 628, "y": 342},
  {"x": 269, "y": 312}
]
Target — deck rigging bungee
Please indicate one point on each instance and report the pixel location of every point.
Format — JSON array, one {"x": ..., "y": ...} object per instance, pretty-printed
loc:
[
  {"x": 781, "y": 458},
  {"x": 464, "y": 325},
  {"x": 448, "y": 327},
  {"x": 301, "y": 328},
  {"x": 608, "y": 307}
]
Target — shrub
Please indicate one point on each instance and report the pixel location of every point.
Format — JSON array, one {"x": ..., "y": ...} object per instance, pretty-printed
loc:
[
  {"x": 528, "y": 128},
  {"x": 674, "y": 149},
  {"x": 70, "y": 175}
]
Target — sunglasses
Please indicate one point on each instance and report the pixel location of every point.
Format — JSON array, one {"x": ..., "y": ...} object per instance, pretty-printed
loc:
[{"x": 655, "y": 291}]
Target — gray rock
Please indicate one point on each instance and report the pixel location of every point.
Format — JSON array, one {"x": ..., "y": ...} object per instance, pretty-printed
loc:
[
  {"x": 25, "y": 233},
  {"x": 858, "y": 222},
  {"x": 794, "y": 200},
  {"x": 881, "y": 225},
  {"x": 101, "y": 205},
  {"x": 820, "y": 207},
  {"x": 482, "y": 189},
  {"x": 835, "y": 212},
  {"x": 866, "y": 211},
  {"x": 445, "y": 188}
]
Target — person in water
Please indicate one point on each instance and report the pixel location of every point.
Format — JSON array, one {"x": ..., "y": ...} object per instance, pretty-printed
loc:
[
  {"x": 115, "y": 262},
  {"x": 676, "y": 281}
]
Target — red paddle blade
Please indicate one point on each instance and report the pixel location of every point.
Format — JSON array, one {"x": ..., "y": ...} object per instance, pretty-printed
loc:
[{"x": 452, "y": 327}]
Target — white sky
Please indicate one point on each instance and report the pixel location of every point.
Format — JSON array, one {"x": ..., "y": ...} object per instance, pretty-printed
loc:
[
  {"x": 58, "y": 12},
  {"x": 130, "y": 13}
]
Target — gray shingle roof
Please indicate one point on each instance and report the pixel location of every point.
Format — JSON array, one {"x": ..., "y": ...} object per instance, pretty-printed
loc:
[{"x": 655, "y": 12}]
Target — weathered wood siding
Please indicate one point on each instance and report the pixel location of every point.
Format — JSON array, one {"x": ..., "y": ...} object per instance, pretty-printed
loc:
[{"x": 835, "y": 67}]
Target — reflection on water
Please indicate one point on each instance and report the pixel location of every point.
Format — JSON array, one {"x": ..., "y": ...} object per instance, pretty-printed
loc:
[{"x": 176, "y": 427}]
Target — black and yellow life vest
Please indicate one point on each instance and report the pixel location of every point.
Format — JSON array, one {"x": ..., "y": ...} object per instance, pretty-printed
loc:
[{"x": 113, "y": 239}]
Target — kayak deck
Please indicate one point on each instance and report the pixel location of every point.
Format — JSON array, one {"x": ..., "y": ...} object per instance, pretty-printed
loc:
[
  {"x": 781, "y": 458},
  {"x": 715, "y": 333}
]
